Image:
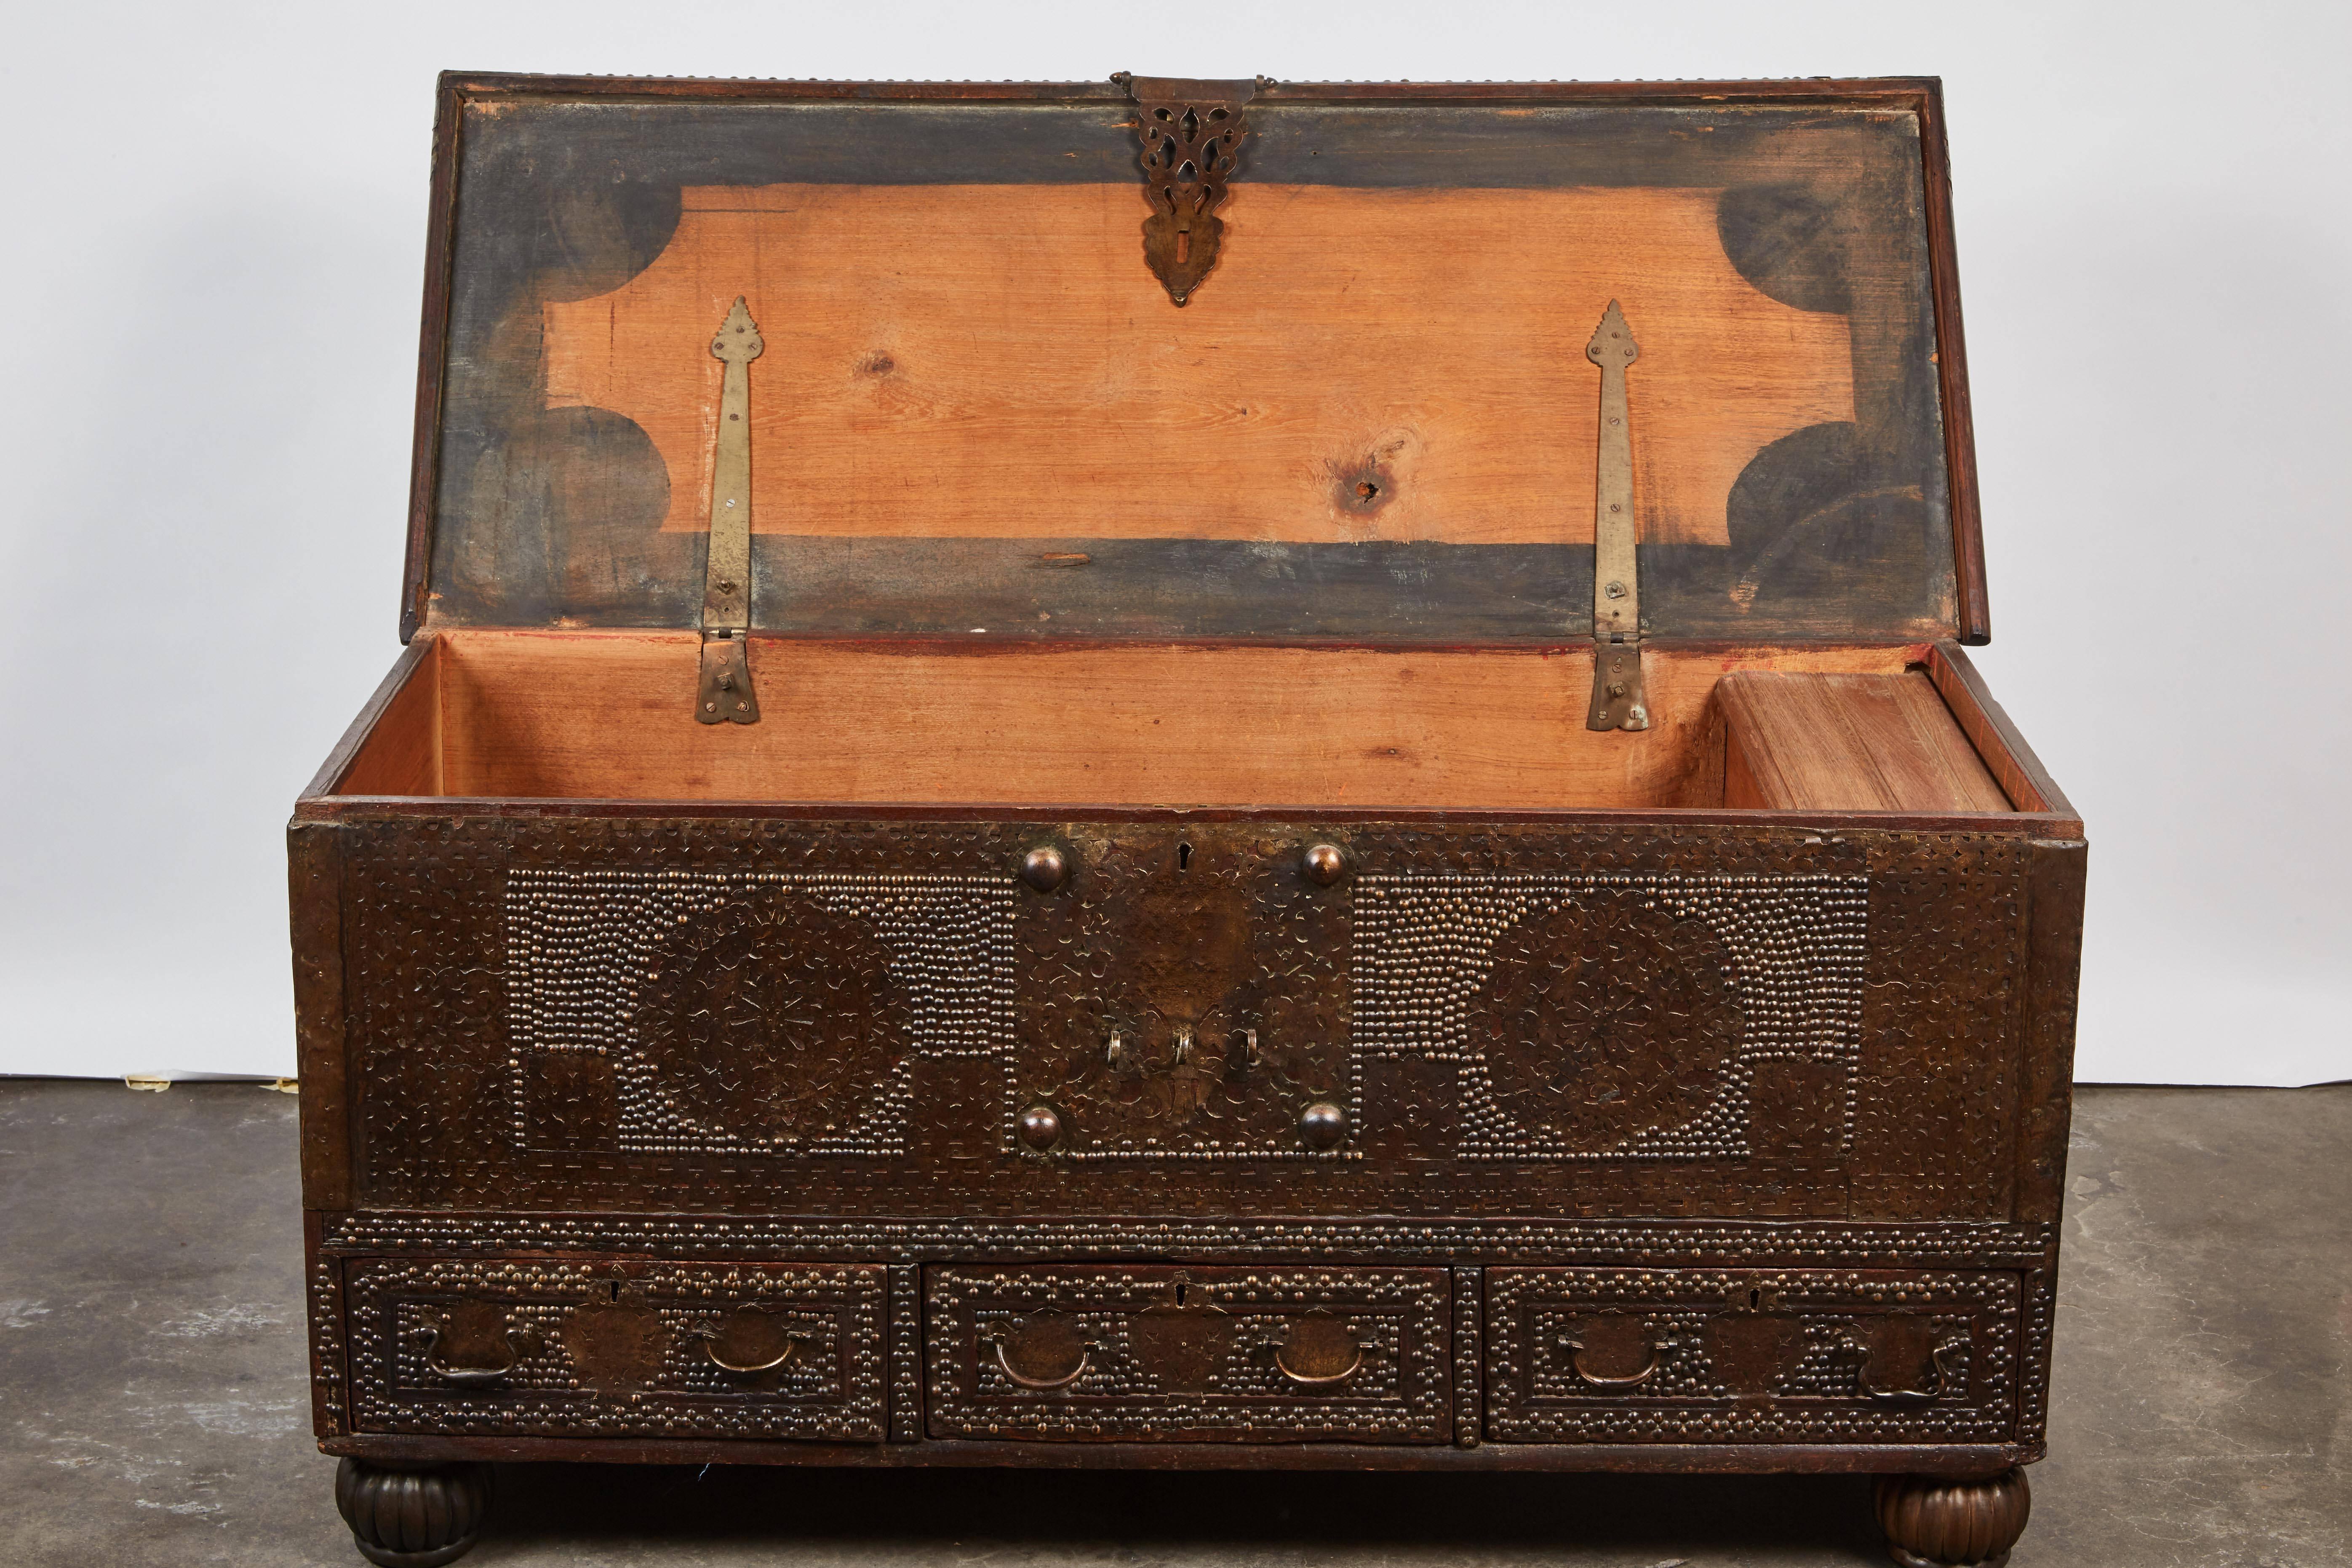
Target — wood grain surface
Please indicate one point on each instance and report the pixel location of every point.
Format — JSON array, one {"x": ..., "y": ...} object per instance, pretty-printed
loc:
[
  {"x": 1848, "y": 743},
  {"x": 2021, "y": 777},
  {"x": 606, "y": 715},
  {"x": 1012, "y": 501},
  {"x": 996, "y": 361},
  {"x": 402, "y": 752}
]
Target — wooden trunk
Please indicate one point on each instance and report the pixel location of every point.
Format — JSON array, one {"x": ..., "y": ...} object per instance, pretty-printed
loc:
[{"x": 1173, "y": 976}]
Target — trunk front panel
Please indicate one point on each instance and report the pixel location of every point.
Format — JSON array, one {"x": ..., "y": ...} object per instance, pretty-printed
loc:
[{"x": 884, "y": 1019}]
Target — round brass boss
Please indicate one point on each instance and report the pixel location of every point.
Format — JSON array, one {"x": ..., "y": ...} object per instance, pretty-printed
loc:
[
  {"x": 1044, "y": 868},
  {"x": 1322, "y": 1124},
  {"x": 1040, "y": 1127}
]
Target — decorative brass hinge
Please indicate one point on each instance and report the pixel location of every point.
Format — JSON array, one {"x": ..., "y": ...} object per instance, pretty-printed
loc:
[
  {"x": 1618, "y": 700},
  {"x": 1192, "y": 133},
  {"x": 726, "y": 695}
]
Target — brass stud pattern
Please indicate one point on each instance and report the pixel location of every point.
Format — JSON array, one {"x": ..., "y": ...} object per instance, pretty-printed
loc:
[
  {"x": 330, "y": 1398},
  {"x": 1469, "y": 1357},
  {"x": 1425, "y": 946},
  {"x": 1661, "y": 1243},
  {"x": 906, "y": 1351},
  {"x": 1398, "y": 1316},
  {"x": 582, "y": 947},
  {"x": 1987, "y": 1303},
  {"x": 1275, "y": 1042},
  {"x": 425, "y": 938},
  {"x": 1534, "y": 1395},
  {"x": 2034, "y": 1357},
  {"x": 833, "y": 1389},
  {"x": 424, "y": 941}
]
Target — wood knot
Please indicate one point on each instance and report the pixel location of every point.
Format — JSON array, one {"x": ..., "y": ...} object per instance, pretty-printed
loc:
[{"x": 1364, "y": 489}]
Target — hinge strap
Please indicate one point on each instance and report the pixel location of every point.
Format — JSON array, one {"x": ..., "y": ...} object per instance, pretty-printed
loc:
[
  {"x": 725, "y": 695},
  {"x": 1618, "y": 699},
  {"x": 1192, "y": 134}
]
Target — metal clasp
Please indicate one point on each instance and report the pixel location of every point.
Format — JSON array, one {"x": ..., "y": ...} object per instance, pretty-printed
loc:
[
  {"x": 1192, "y": 134},
  {"x": 726, "y": 695}
]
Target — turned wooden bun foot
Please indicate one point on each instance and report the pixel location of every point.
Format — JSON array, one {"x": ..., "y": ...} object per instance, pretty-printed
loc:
[
  {"x": 417, "y": 1516},
  {"x": 1933, "y": 1521}
]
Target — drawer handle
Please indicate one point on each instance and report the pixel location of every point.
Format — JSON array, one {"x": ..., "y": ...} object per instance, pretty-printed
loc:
[
  {"x": 1327, "y": 1379},
  {"x": 520, "y": 1343},
  {"x": 1575, "y": 1349},
  {"x": 709, "y": 1334},
  {"x": 1005, "y": 1363},
  {"x": 1942, "y": 1379}
]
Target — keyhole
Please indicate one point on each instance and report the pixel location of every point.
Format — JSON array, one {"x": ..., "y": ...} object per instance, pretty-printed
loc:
[
  {"x": 614, "y": 1286},
  {"x": 1754, "y": 1297},
  {"x": 1183, "y": 246},
  {"x": 1183, "y": 857},
  {"x": 1182, "y": 1290}
]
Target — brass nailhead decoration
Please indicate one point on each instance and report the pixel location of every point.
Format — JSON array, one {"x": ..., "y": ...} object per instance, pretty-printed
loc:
[
  {"x": 1041, "y": 1127},
  {"x": 1044, "y": 868},
  {"x": 1322, "y": 1124}
]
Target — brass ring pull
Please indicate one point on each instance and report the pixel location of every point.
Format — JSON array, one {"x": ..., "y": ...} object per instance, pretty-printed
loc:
[
  {"x": 520, "y": 1343},
  {"x": 1575, "y": 1349},
  {"x": 1327, "y": 1379},
  {"x": 708, "y": 1336},
  {"x": 1942, "y": 1357},
  {"x": 1043, "y": 1385}
]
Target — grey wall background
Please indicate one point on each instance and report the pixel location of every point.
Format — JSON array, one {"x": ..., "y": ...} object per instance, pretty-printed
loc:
[{"x": 211, "y": 273}]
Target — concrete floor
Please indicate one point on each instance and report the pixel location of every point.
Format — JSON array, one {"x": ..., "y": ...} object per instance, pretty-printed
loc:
[{"x": 153, "y": 1406}]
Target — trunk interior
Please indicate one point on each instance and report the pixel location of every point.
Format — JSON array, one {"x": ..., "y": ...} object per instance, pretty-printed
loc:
[{"x": 608, "y": 715}]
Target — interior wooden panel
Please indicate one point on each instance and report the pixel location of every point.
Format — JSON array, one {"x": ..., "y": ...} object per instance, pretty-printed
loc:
[
  {"x": 403, "y": 754},
  {"x": 607, "y": 715},
  {"x": 2014, "y": 766},
  {"x": 995, "y": 360},
  {"x": 1841, "y": 741}
]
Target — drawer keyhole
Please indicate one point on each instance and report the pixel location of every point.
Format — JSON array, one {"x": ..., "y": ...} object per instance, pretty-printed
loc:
[
  {"x": 1183, "y": 857},
  {"x": 1755, "y": 1298}
]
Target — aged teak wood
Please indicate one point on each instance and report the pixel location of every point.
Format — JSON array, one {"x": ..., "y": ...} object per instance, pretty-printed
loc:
[
  {"x": 1854, "y": 743},
  {"x": 1169, "y": 977},
  {"x": 986, "y": 434}
]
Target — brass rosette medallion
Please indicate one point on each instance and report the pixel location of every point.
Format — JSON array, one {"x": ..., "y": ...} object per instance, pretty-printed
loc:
[
  {"x": 773, "y": 1019},
  {"x": 1605, "y": 1019},
  {"x": 1621, "y": 1015}
]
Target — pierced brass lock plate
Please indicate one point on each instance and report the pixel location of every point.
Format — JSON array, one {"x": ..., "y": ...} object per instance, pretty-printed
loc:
[{"x": 1192, "y": 134}]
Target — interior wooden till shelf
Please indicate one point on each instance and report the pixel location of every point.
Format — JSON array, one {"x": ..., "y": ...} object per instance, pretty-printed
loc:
[{"x": 607, "y": 715}]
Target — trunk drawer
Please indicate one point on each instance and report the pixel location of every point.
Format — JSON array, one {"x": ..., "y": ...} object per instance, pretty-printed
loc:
[
  {"x": 525, "y": 1346},
  {"x": 1161, "y": 1353},
  {"x": 1754, "y": 1355}
]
